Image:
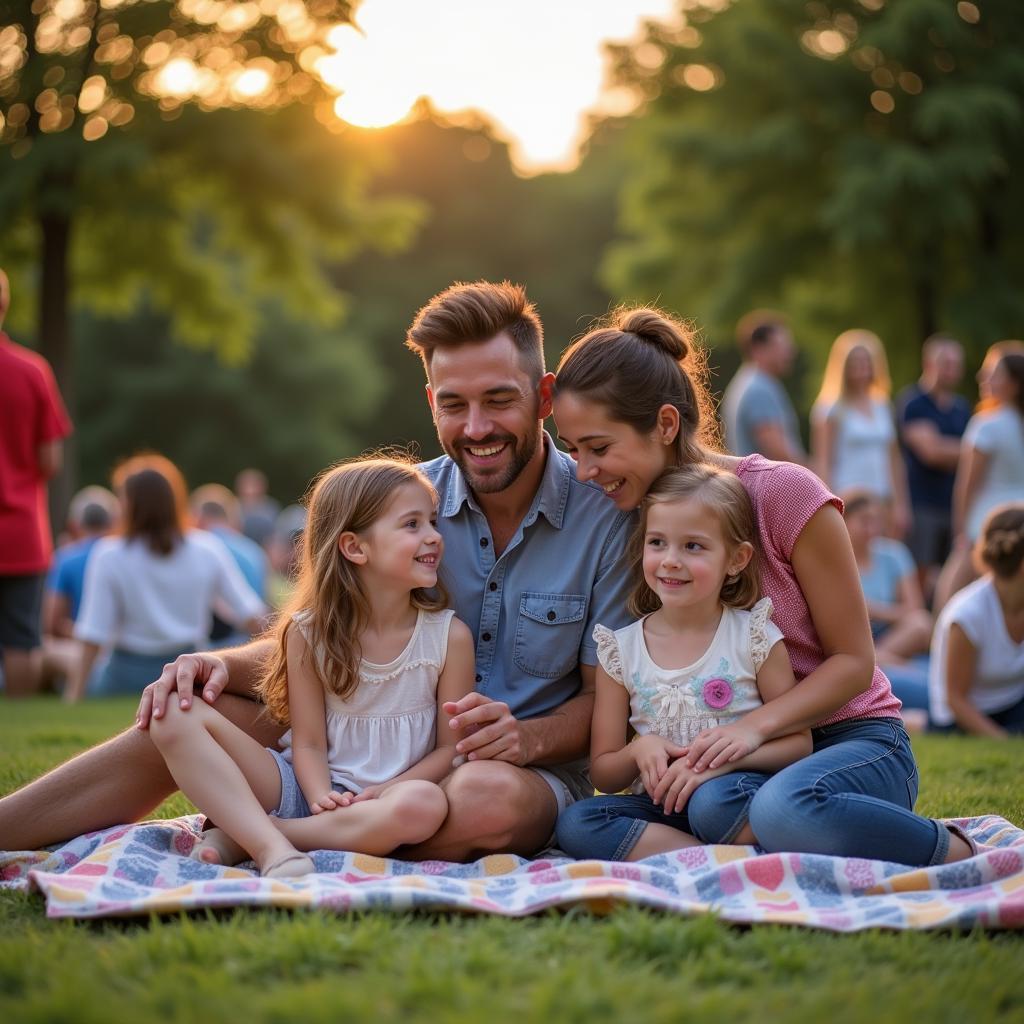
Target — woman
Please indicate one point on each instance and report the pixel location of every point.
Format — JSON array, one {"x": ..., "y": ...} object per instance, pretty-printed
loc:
[
  {"x": 853, "y": 434},
  {"x": 149, "y": 593},
  {"x": 977, "y": 667},
  {"x": 991, "y": 467},
  {"x": 630, "y": 402}
]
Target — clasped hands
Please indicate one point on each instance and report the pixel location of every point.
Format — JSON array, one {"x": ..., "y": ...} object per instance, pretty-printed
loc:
[{"x": 671, "y": 773}]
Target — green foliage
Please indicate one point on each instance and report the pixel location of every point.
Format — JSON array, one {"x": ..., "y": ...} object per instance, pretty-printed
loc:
[
  {"x": 274, "y": 966},
  {"x": 855, "y": 163}
]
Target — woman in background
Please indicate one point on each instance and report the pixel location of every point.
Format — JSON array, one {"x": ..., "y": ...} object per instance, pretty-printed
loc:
[
  {"x": 853, "y": 432},
  {"x": 150, "y": 591}
]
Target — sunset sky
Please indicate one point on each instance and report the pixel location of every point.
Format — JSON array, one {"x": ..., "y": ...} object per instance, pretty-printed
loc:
[{"x": 534, "y": 67}]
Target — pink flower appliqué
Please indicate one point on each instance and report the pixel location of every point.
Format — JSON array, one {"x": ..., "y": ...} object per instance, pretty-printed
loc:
[{"x": 717, "y": 694}]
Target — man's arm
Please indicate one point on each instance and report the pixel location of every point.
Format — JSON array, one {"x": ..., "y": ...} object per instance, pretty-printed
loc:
[
  {"x": 50, "y": 455},
  {"x": 772, "y": 442},
  {"x": 934, "y": 449}
]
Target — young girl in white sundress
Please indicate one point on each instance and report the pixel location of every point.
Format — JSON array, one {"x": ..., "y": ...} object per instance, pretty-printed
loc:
[
  {"x": 704, "y": 654},
  {"x": 365, "y": 658}
]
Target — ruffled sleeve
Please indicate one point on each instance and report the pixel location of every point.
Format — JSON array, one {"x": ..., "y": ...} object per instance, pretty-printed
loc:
[
  {"x": 764, "y": 634},
  {"x": 608, "y": 652}
]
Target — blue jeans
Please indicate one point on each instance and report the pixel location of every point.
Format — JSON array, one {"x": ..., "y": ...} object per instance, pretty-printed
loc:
[{"x": 852, "y": 796}]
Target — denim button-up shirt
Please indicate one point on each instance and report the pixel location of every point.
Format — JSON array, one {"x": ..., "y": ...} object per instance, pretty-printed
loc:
[{"x": 533, "y": 609}]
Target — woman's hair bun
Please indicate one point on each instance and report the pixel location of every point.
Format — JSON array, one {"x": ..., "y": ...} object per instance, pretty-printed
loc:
[{"x": 657, "y": 329}]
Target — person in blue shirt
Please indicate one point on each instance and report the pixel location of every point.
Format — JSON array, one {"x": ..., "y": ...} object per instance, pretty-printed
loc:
[
  {"x": 932, "y": 418},
  {"x": 533, "y": 560}
]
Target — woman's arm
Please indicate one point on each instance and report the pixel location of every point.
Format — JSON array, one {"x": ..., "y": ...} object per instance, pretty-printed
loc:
[
  {"x": 823, "y": 439},
  {"x": 826, "y": 571},
  {"x": 961, "y": 661},
  {"x": 456, "y": 680},
  {"x": 970, "y": 475},
  {"x": 308, "y": 714},
  {"x": 78, "y": 679},
  {"x": 901, "y": 517}
]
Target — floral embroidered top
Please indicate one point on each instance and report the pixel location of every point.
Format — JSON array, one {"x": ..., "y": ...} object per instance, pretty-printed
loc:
[
  {"x": 719, "y": 687},
  {"x": 388, "y": 724}
]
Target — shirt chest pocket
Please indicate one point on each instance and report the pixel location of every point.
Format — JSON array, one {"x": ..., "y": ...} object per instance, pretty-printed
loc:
[{"x": 548, "y": 633}]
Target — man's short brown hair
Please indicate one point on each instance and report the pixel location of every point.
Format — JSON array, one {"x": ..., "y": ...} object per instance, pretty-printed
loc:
[{"x": 471, "y": 313}]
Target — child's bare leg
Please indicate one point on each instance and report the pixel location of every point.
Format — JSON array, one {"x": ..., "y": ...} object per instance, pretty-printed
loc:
[
  {"x": 226, "y": 774},
  {"x": 661, "y": 839},
  {"x": 409, "y": 812}
]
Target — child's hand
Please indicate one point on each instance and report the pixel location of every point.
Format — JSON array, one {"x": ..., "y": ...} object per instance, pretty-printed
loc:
[
  {"x": 652, "y": 754},
  {"x": 725, "y": 743},
  {"x": 677, "y": 785},
  {"x": 370, "y": 793},
  {"x": 331, "y": 801}
]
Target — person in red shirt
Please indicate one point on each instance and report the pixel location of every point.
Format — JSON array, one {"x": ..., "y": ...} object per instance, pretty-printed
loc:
[{"x": 33, "y": 423}]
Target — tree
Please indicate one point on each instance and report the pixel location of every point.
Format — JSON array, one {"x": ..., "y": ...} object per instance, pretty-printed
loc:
[
  {"x": 853, "y": 161},
  {"x": 170, "y": 150}
]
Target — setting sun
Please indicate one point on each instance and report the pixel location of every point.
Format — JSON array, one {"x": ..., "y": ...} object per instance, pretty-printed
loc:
[{"x": 535, "y": 75}]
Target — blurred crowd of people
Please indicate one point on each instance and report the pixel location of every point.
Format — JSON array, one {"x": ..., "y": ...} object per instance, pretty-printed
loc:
[
  {"x": 146, "y": 572},
  {"x": 933, "y": 495}
]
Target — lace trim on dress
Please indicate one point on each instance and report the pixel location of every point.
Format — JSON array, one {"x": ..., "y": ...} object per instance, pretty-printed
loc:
[
  {"x": 368, "y": 675},
  {"x": 760, "y": 641},
  {"x": 608, "y": 652}
]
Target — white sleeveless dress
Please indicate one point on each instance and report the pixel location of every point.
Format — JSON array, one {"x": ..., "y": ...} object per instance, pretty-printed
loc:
[{"x": 389, "y": 723}]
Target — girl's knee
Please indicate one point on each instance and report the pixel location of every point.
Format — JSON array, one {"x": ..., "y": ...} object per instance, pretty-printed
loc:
[
  {"x": 418, "y": 810},
  {"x": 176, "y": 724}
]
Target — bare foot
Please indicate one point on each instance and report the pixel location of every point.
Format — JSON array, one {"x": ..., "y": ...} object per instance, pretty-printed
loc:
[{"x": 215, "y": 846}]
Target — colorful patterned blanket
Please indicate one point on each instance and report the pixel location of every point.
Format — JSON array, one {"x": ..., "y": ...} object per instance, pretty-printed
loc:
[{"x": 145, "y": 869}]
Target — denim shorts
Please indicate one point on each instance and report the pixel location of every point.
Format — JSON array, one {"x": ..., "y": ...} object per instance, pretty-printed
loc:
[{"x": 292, "y": 803}]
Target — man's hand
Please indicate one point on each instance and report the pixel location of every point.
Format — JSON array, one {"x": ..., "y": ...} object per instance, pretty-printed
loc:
[
  {"x": 488, "y": 729},
  {"x": 178, "y": 678},
  {"x": 652, "y": 754},
  {"x": 330, "y": 801},
  {"x": 678, "y": 784},
  {"x": 719, "y": 746}
]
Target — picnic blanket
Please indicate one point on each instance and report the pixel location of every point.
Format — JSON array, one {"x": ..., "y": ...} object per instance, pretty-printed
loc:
[{"x": 145, "y": 869}]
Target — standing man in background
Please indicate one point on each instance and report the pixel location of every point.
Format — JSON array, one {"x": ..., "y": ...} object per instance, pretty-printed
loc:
[
  {"x": 756, "y": 411},
  {"x": 931, "y": 418},
  {"x": 33, "y": 424}
]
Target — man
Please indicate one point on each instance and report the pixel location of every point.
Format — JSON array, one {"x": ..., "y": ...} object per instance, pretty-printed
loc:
[
  {"x": 756, "y": 411},
  {"x": 33, "y": 423},
  {"x": 932, "y": 418},
  {"x": 533, "y": 559}
]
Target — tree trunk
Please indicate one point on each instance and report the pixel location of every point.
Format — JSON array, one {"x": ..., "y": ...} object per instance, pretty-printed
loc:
[{"x": 56, "y": 344}]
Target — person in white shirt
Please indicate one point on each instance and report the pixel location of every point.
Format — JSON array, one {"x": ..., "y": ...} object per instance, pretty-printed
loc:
[
  {"x": 853, "y": 430},
  {"x": 991, "y": 467},
  {"x": 976, "y": 684},
  {"x": 150, "y": 591}
]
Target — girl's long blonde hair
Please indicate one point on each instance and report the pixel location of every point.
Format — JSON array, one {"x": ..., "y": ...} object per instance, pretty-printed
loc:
[
  {"x": 329, "y": 595},
  {"x": 833, "y": 383}
]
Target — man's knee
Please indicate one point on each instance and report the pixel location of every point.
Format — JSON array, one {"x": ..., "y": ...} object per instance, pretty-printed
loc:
[{"x": 493, "y": 796}]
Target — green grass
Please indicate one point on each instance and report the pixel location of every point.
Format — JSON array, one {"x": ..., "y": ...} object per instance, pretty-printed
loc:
[{"x": 572, "y": 967}]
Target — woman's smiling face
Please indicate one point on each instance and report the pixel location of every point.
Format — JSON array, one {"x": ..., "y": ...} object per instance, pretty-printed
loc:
[{"x": 621, "y": 461}]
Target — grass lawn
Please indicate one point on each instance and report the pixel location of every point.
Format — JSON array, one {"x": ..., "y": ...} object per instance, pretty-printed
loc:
[{"x": 573, "y": 967}]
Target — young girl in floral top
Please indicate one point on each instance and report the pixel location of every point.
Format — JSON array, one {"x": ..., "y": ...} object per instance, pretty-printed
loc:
[{"x": 703, "y": 655}]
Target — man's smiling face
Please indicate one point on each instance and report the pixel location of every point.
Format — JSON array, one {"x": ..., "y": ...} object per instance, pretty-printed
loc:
[{"x": 487, "y": 411}]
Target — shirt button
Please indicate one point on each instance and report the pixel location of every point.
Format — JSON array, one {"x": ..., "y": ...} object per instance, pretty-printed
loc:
[
  {"x": 552, "y": 616},
  {"x": 486, "y": 637},
  {"x": 492, "y": 586},
  {"x": 479, "y": 678},
  {"x": 483, "y": 542}
]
